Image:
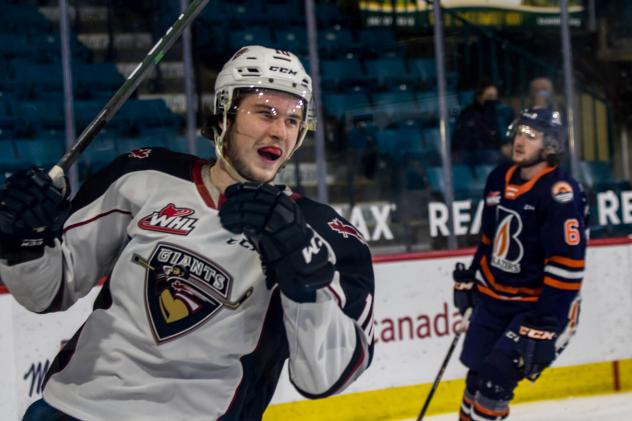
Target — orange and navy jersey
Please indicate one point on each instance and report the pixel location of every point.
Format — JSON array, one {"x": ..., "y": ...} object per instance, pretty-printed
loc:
[{"x": 533, "y": 239}]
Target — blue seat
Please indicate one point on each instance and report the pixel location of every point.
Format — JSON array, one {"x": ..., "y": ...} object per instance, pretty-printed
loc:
[
  {"x": 466, "y": 185},
  {"x": 336, "y": 40},
  {"x": 23, "y": 18},
  {"x": 247, "y": 14},
  {"x": 287, "y": 13},
  {"x": 42, "y": 114},
  {"x": 102, "y": 76},
  {"x": 259, "y": 35},
  {"x": 13, "y": 45},
  {"x": 426, "y": 70},
  {"x": 87, "y": 110},
  {"x": 378, "y": 40},
  {"x": 204, "y": 147},
  {"x": 146, "y": 113},
  {"x": 328, "y": 15},
  {"x": 339, "y": 73},
  {"x": 339, "y": 105},
  {"x": 292, "y": 38},
  {"x": 40, "y": 76},
  {"x": 393, "y": 106},
  {"x": 390, "y": 71},
  {"x": 466, "y": 181},
  {"x": 598, "y": 176},
  {"x": 42, "y": 152},
  {"x": 9, "y": 160},
  {"x": 482, "y": 171},
  {"x": 100, "y": 152},
  {"x": 466, "y": 97}
]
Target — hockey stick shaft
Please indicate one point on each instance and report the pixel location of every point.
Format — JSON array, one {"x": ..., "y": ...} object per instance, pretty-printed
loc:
[
  {"x": 446, "y": 360},
  {"x": 154, "y": 56}
]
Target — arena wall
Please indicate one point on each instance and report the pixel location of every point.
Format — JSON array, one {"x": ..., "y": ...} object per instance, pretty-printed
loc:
[{"x": 414, "y": 323}]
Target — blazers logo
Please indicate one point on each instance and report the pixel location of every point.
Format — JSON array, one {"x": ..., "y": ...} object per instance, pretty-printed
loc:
[
  {"x": 182, "y": 290},
  {"x": 169, "y": 219},
  {"x": 507, "y": 250}
]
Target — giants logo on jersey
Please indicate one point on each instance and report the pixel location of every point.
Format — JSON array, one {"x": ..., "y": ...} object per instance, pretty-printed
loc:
[
  {"x": 182, "y": 290},
  {"x": 507, "y": 249},
  {"x": 169, "y": 219}
]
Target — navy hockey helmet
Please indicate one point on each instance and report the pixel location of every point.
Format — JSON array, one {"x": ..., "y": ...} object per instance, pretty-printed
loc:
[{"x": 547, "y": 121}]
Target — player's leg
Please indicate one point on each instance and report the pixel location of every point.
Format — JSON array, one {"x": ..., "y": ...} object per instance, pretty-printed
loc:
[
  {"x": 497, "y": 380},
  {"x": 471, "y": 386},
  {"x": 483, "y": 332}
]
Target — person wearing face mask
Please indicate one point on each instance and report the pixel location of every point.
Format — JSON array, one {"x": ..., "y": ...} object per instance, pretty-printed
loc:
[
  {"x": 215, "y": 276},
  {"x": 541, "y": 94},
  {"x": 477, "y": 134},
  {"x": 525, "y": 277}
]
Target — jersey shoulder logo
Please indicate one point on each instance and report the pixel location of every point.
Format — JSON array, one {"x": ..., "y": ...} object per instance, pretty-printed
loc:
[
  {"x": 170, "y": 219},
  {"x": 492, "y": 198},
  {"x": 507, "y": 249},
  {"x": 182, "y": 290},
  {"x": 346, "y": 230},
  {"x": 562, "y": 192},
  {"x": 140, "y": 153}
]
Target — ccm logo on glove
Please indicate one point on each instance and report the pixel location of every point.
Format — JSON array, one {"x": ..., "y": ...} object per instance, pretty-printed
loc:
[{"x": 537, "y": 334}]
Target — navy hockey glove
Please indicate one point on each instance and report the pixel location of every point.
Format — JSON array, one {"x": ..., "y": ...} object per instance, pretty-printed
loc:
[
  {"x": 293, "y": 255},
  {"x": 32, "y": 212},
  {"x": 464, "y": 287},
  {"x": 536, "y": 344}
]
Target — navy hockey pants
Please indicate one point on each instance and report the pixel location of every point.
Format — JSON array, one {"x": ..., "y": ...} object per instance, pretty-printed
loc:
[{"x": 41, "y": 411}]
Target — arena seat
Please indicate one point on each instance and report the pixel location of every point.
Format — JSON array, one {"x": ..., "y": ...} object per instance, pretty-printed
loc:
[
  {"x": 338, "y": 105},
  {"x": 41, "y": 151},
  {"x": 394, "y": 106},
  {"x": 291, "y": 38},
  {"x": 341, "y": 73},
  {"x": 254, "y": 35},
  {"x": 389, "y": 72},
  {"x": 335, "y": 41}
]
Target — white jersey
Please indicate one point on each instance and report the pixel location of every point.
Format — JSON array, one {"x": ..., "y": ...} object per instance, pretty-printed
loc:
[{"x": 163, "y": 341}]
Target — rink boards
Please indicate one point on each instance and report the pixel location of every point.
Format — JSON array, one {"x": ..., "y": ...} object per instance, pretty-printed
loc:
[{"x": 414, "y": 321}]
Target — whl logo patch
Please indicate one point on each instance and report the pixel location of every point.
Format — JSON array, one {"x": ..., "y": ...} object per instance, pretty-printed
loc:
[
  {"x": 345, "y": 230},
  {"x": 170, "y": 219}
]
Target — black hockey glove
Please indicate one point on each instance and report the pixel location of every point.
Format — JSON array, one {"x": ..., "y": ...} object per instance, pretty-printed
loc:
[
  {"x": 32, "y": 212},
  {"x": 293, "y": 255},
  {"x": 464, "y": 287},
  {"x": 536, "y": 344}
]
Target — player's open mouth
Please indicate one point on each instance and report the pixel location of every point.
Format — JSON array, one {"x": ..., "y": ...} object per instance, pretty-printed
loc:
[{"x": 270, "y": 153}]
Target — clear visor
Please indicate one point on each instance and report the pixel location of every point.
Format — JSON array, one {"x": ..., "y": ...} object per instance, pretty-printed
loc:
[
  {"x": 528, "y": 132},
  {"x": 274, "y": 105}
]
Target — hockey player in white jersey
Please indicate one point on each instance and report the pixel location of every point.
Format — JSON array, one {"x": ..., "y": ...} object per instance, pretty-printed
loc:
[{"x": 214, "y": 276}]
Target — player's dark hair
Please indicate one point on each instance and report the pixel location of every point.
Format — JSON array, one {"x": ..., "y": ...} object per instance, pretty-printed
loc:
[{"x": 212, "y": 121}]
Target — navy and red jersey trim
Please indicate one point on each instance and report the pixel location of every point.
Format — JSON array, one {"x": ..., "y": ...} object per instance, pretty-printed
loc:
[{"x": 160, "y": 159}]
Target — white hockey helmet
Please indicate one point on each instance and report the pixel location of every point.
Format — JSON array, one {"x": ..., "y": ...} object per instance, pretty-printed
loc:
[{"x": 257, "y": 67}]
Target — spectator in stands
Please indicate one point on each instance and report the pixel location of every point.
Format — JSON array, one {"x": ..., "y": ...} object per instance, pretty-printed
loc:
[
  {"x": 541, "y": 94},
  {"x": 479, "y": 132}
]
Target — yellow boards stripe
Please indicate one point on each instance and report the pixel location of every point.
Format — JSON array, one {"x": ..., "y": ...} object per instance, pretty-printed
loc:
[{"x": 405, "y": 402}]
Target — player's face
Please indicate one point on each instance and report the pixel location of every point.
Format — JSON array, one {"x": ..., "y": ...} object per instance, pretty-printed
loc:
[
  {"x": 527, "y": 146},
  {"x": 264, "y": 133}
]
